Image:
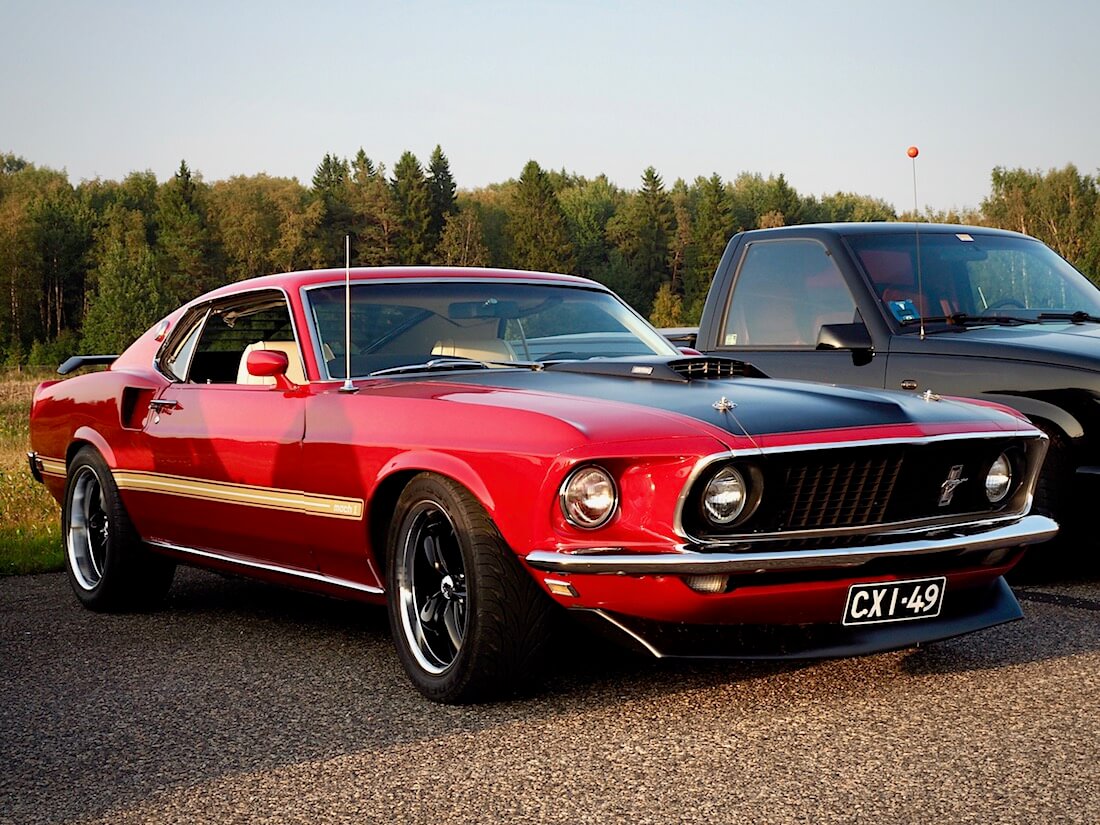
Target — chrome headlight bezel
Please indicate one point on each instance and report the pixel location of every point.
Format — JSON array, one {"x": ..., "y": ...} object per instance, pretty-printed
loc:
[
  {"x": 729, "y": 484},
  {"x": 572, "y": 492},
  {"x": 999, "y": 479},
  {"x": 751, "y": 483}
]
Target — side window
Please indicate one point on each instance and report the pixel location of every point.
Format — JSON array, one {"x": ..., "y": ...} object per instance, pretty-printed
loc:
[
  {"x": 785, "y": 291},
  {"x": 232, "y": 331},
  {"x": 180, "y": 358}
]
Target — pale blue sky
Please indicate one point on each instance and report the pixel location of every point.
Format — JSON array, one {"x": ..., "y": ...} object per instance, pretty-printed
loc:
[{"x": 830, "y": 94}]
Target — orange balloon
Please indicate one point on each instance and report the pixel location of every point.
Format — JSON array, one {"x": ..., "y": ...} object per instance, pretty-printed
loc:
[{"x": 912, "y": 151}]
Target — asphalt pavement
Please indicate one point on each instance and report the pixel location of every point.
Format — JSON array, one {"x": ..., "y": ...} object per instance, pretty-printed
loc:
[{"x": 242, "y": 702}]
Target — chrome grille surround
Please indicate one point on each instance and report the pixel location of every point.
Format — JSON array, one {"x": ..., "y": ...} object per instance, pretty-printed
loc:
[{"x": 871, "y": 499}]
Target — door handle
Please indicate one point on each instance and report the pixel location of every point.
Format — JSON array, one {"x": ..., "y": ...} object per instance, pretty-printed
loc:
[{"x": 157, "y": 405}]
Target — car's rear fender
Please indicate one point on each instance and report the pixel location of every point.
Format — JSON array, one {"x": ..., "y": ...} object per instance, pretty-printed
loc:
[{"x": 86, "y": 435}]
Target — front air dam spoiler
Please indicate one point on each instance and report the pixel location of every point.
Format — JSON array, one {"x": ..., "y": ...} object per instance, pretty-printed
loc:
[{"x": 991, "y": 606}]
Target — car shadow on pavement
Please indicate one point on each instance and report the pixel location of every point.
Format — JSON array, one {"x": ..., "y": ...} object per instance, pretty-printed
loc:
[{"x": 1053, "y": 627}]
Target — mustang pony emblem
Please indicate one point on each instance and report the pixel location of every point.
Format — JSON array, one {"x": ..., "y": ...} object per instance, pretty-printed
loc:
[{"x": 953, "y": 480}]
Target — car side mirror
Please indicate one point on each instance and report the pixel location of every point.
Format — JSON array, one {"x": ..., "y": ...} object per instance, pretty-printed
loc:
[
  {"x": 269, "y": 363},
  {"x": 844, "y": 336}
]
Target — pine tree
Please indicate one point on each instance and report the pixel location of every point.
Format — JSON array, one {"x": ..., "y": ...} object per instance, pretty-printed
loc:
[
  {"x": 413, "y": 206},
  {"x": 588, "y": 207},
  {"x": 679, "y": 248},
  {"x": 362, "y": 168},
  {"x": 441, "y": 193},
  {"x": 540, "y": 239},
  {"x": 641, "y": 234},
  {"x": 330, "y": 176},
  {"x": 189, "y": 258},
  {"x": 376, "y": 214},
  {"x": 335, "y": 216},
  {"x": 130, "y": 296},
  {"x": 712, "y": 230},
  {"x": 63, "y": 241}
]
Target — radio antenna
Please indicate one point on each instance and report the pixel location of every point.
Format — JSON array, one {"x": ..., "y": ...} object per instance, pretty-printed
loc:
[
  {"x": 913, "y": 151},
  {"x": 348, "y": 386}
]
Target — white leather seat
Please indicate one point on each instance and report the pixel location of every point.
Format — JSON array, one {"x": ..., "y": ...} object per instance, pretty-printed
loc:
[
  {"x": 294, "y": 370},
  {"x": 481, "y": 349}
]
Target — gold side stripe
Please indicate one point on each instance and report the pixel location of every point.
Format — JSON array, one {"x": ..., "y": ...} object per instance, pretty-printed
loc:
[
  {"x": 268, "y": 497},
  {"x": 52, "y": 466}
]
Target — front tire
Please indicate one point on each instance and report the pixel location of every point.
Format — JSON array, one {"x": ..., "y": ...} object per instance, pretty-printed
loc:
[
  {"x": 468, "y": 621},
  {"x": 108, "y": 566}
]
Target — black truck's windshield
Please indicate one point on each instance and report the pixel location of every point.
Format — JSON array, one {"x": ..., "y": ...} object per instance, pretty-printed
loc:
[{"x": 969, "y": 278}]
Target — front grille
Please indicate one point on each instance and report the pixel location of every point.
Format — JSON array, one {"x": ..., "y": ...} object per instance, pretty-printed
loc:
[
  {"x": 695, "y": 368},
  {"x": 846, "y": 489}
]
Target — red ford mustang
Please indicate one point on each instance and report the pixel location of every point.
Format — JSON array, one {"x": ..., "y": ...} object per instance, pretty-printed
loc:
[{"x": 513, "y": 443}]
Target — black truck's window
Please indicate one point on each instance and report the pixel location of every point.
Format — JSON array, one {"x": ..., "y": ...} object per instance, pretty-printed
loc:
[{"x": 783, "y": 294}]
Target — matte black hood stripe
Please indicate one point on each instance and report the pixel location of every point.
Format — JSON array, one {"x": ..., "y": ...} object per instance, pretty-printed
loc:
[{"x": 762, "y": 406}]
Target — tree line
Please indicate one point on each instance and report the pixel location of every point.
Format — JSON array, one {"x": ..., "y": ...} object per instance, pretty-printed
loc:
[{"x": 90, "y": 267}]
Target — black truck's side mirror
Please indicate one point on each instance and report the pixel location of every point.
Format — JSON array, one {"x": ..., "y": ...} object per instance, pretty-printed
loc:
[{"x": 854, "y": 337}]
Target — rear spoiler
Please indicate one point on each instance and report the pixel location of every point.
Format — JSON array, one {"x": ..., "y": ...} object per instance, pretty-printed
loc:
[{"x": 78, "y": 361}]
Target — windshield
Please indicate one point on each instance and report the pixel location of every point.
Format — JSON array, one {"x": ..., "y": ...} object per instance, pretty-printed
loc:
[
  {"x": 406, "y": 324},
  {"x": 972, "y": 275}
]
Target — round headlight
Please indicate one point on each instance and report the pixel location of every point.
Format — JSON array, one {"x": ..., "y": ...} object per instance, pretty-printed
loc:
[
  {"x": 725, "y": 496},
  {"x": 998, "y": 480},
  {"x": 588, "y": 497}
]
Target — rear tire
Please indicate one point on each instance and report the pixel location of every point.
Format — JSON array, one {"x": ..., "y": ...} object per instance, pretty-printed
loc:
[
  {"x": 108, "y": 566},
  {"x": 468, "y": 621}
]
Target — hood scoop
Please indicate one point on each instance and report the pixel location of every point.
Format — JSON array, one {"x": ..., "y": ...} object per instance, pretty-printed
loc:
[{"x": 680, "y": 370}]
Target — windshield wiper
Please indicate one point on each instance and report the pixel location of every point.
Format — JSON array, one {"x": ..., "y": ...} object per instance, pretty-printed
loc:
[
  {"x": 1078, "y": 317},
  {"x": 962, "y": 319},
  {"x": 442, "y": 364}
]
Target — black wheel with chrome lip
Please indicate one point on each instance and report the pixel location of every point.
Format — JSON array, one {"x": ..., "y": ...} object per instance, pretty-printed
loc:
[
  {"x": 108, "y": 566},
  {"x": 468, "y": 622},
  {"x": 433, "y": 587}
]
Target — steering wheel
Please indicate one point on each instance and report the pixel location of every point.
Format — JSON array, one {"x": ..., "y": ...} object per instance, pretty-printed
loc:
[{"x": 1004, "y": 304}]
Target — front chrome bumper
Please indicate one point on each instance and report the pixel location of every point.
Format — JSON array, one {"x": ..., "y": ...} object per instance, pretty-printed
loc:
[{"x": 1028, "y": 530}]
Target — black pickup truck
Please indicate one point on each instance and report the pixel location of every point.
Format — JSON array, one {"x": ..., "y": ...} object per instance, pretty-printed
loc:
[{"x": 938, "y": 309}]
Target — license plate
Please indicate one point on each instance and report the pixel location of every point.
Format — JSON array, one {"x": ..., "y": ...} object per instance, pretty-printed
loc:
[{"x": 894, "y": 601}]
